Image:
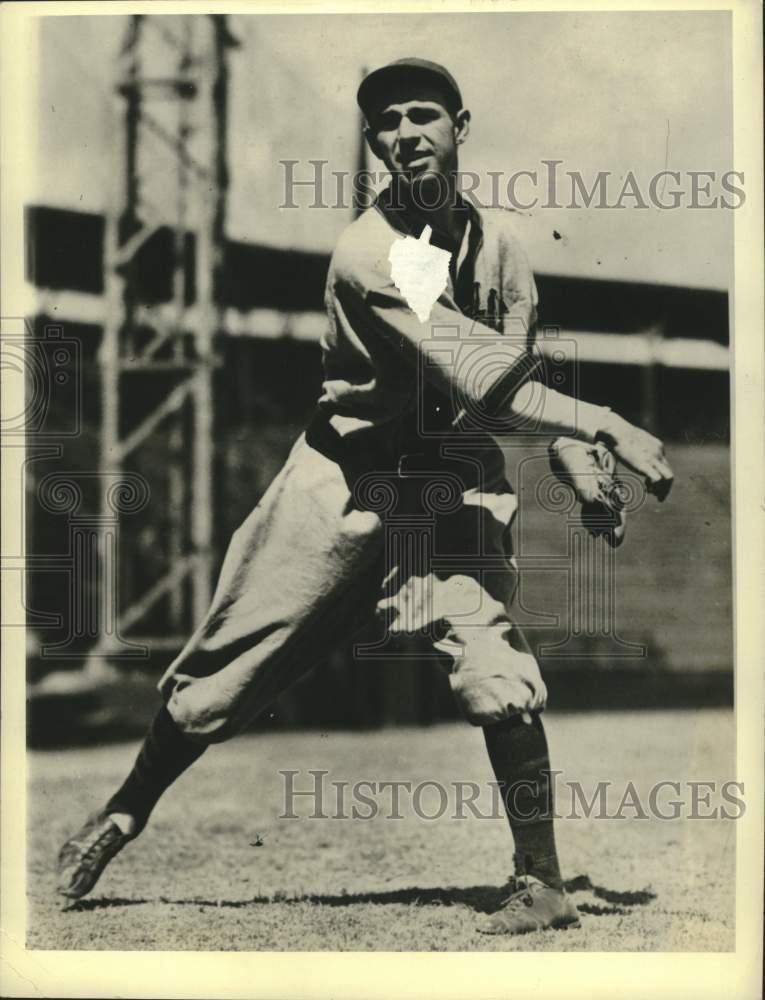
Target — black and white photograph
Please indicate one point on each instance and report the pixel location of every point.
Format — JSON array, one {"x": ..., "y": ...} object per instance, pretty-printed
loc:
[{"x": 376, "y": 580}]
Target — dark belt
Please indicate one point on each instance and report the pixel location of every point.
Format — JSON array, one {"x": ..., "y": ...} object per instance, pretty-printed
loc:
[
  {"x": 470, "y": 473},
  {"x": 380, "y": 450}
]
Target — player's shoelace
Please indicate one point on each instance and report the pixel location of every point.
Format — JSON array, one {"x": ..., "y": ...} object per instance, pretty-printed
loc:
[
  {"x": 83, "y": 858},
  {"x": 100, "y": 840},
  {"x": 519, "y": 893}
]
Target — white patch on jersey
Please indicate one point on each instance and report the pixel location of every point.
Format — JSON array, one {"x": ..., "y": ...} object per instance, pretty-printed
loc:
[{"x": 419, "y": 271}]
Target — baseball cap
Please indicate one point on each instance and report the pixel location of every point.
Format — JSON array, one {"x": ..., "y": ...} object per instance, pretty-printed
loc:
[{"x": 376, "y": 82}]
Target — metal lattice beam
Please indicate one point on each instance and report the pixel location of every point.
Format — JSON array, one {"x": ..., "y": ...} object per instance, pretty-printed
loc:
[{"x": 180, "y": 70}]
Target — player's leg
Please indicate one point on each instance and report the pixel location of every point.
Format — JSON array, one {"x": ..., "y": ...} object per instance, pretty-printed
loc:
[
  {"x": 294, "y": 577},
  {"x": 520, "y": 759},
  {"x": 493, "y": 673},
  {"x": 165, "y": 754}
]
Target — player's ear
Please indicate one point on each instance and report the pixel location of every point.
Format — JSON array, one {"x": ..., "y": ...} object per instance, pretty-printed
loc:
[{"x": 461, "y": 125}]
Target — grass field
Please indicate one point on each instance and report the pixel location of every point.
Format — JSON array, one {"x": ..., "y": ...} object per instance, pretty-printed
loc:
[{"x": 218, "y": 870}]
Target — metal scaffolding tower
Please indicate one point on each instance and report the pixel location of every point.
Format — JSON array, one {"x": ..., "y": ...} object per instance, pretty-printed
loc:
[{"x": 171, "y": 99}]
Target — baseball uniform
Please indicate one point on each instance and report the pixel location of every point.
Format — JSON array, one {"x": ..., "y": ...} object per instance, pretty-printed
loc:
[{"x": 320, "y": 553}]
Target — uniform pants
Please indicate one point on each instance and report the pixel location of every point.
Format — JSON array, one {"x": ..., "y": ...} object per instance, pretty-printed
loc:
[{"x": 341, "y": 536}]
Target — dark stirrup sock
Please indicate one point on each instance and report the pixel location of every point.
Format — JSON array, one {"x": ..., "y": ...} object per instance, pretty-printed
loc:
[
  {"x": 521, "y": 762},
  {"x": 164, "y": 756}
]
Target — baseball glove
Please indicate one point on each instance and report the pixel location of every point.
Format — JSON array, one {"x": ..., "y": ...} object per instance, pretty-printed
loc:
[{"x": 590, "y": 470}]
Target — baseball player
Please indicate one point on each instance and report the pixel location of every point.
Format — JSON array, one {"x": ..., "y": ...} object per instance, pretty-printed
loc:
[{"x": 315, "y": 558}]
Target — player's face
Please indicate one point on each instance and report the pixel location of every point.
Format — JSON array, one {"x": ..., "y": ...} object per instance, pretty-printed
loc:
[{"x": 415, "y": 135}]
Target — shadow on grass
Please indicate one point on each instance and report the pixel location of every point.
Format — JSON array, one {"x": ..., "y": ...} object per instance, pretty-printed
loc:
[
  {"x": 481, "y": 898},
  {"x": 638, "y": 897}
]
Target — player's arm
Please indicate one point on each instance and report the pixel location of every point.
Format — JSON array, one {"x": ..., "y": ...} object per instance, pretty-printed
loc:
[
  {"x": 489, "y": 373},
  {"x": 467, "y": 361},
  {"x": 556, "y": 413},
  {"x": 479, "y": 369}
]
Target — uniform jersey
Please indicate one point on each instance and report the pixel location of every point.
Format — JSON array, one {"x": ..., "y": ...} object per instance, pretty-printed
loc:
[{"x": 377, "y": 354}]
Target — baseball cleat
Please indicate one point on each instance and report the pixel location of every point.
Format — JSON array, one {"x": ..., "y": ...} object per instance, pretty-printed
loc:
[
  {"x": 85, "y": 855},
  {"x": 533, "y": 906}
]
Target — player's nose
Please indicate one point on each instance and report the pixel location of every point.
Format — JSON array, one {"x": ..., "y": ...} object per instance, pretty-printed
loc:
[{"x": 408, "y": 132}]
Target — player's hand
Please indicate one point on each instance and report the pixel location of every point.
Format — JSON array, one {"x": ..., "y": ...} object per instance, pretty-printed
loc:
[
  {"x": 583, "y": 468},
  {"x": 639, "y": 450},
  {"x": 590, "y": 470},
  {"x": 525, "y": 690}
]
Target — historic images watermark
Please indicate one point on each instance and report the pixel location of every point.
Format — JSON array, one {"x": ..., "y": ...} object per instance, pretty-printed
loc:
[
  {"x": 311, "y": 184},
  {"x": 312, "y": 794},
  {"x": 45, "y": 410}
]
